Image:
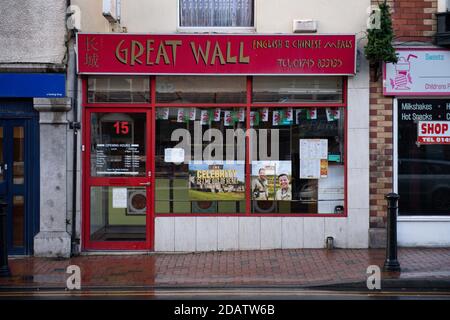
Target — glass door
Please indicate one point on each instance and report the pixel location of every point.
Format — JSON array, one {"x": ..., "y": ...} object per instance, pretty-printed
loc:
[
  {"x": 13, "y": 183},
  {"x": 118, "y": 179}
]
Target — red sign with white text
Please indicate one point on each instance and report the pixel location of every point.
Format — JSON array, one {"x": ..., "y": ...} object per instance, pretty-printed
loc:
[
  {"x": 216, "y": 54},
  {"x": 433, "y": 132}
]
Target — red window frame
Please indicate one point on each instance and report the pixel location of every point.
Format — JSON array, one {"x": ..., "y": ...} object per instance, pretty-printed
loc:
[{"x": 150, "y": 108}]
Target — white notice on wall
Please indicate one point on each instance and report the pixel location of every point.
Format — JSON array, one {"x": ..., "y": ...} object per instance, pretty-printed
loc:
[
  {"x": 119, "y": 196},
  {"x": 175, "y": 155}
]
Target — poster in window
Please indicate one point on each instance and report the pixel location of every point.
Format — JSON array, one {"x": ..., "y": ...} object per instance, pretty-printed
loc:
[
  {"x": 289, "y": 114},
  {"x": 241, "y": 115},
  {"x": 181, "y": 115},
  {"x": 228, "y": 119},
  {"x": 313, "y": 148},
  {"x": 119, "y": 198},
  {"x": 311, "y": 113},
  {"x": 217, "y": 180},
  {"x": 298, "y": 116},
  {"x": 118, "y": 159},
  {"x": 175, "y": 155},
  {"x": 254, "y": 118},
  {"x": 312, "y": 152},
  {"x": 323, "y": 168},
  {"x": 265, "y": 114},
  {"x": 192, "y": 114},
  {"x": 205, "y": 117},
  {"x": 276, "y": 118},
  {"x": 310, "y": 168},
  {"x": 271, "y": 180},
  {"x": 162, "y": 114},
  {"x": 216, "y": 114},
  {"x": 333, "y": 114}
]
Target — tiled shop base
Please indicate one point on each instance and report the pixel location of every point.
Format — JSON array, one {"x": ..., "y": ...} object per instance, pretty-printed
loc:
[{"x": 299, "y": 267}]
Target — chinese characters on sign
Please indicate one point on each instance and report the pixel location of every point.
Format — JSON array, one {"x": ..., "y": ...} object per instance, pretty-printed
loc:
[{"x": 91, "y": 55}]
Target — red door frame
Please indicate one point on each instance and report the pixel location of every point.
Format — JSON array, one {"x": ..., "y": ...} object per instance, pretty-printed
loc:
[{"x": 89, "y": 181}]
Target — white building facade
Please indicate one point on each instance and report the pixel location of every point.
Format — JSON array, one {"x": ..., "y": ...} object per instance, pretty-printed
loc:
[{"x": 138, "y": 196}]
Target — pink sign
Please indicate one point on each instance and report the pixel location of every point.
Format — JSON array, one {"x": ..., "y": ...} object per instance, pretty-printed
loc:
[{"x": 418, "y": 72}]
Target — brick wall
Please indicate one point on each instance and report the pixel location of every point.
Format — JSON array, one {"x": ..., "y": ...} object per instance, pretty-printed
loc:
[{"x": 413, "y": 20}]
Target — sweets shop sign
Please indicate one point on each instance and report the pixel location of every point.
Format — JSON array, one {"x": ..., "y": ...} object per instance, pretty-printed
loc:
[
  {"x": 419, "y": 72},
  {"x": 216, "y": 54}
]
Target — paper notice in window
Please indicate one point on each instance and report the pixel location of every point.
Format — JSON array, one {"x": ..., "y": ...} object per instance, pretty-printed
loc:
[
  {"x": 119, "y": 196},
  {"x": 309, "y": 168},
  {"x": 175, "y": 155},
  {"x": 313, "y": 148},
  {"x": 323, "y": 168}
]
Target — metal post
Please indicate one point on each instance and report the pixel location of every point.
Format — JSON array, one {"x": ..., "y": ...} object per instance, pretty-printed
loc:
[
  {"x": 4, "y": 268},
  {"x": 391, "y": 263}
]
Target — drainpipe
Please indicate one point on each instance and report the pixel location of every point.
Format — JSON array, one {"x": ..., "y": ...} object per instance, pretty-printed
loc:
[{"x": 75, "y": 126}]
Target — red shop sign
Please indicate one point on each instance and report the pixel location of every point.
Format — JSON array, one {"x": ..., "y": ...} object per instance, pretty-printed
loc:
[
  {"x": 433, "y": 132},
  {"x": 216, "y": 54}
]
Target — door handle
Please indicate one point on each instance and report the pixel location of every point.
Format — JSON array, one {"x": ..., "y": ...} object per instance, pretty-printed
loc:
[{"x": 145, "y": 184}]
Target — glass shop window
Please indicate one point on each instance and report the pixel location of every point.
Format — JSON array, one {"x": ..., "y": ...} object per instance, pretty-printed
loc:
[
  {"x": 297, "y": 89},
  {"x": 297, "y": 160},
  {"x": 423, "y": 161},
  {"x": 118, "y": 144},
  {"x": 200, "y": 160},
  {"x": 216, "y": 13},
  {"x": 200, "y": 89},
  {"x": 118, "y": 89}
]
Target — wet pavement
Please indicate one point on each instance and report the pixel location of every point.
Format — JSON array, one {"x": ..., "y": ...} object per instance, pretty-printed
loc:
[{"x": 296, "y": 268}]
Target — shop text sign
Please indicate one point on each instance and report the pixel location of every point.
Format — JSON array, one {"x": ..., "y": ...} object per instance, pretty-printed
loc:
[
  {"x": 418, "y": 72},
  {"x": 216, "y": 54},
  {"x": 433, "y": 132}
]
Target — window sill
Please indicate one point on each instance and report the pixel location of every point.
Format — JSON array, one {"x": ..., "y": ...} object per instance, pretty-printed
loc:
[{"x": 216, "y": 30}]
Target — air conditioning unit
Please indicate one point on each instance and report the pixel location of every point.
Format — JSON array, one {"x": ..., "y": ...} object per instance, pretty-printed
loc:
[
  {"x": 304, "y": 26},
  {"x": 111, "y": 10},
  {"x": 137, "y": 202},
  {"x": 443, "y": 29}
]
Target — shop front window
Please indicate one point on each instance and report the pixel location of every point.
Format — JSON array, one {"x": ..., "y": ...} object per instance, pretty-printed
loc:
[
  {"x": 297, "y": 89},
  {"x": 118, "y": 89},
  {"x": 423, "y": 159},
  {"x": 204, "y": 89},
  {"x": 118, "y": 213},
  {"x": 200, "y": 160},
  {"x": 118, "y": 144},
  {"x": 297, "y": 160},
  {"x": 215, "y": 148}
]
